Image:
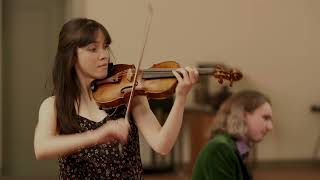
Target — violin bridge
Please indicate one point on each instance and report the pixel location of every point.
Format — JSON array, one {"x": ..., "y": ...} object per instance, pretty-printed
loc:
[{"x": 130, "y": 75}]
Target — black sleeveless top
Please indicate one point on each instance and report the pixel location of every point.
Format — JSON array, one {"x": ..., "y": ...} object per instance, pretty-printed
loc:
[{"x": 104, "y": 161}]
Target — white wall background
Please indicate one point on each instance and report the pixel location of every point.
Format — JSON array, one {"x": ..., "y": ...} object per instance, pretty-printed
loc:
[{"x": 275, "y": 43}]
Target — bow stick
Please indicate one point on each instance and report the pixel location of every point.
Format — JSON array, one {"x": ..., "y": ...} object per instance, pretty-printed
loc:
[{"x": 147, "y": 30}]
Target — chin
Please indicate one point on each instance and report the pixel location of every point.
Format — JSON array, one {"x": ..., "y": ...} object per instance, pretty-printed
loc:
[
  {"x": 100, "y": 76},
  {"x": 258, "y": 139}
]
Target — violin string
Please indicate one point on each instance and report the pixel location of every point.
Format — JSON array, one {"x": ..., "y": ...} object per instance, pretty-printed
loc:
[
  {"x": 165, "y": 72},
  {"x": 162, "y": 72}
]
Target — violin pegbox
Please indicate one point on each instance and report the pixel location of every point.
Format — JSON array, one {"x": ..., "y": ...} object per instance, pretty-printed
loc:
[{"x": 230, "y": 75}]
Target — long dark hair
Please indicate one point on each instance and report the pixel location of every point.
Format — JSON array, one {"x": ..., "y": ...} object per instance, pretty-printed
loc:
[{"x": 74, "y": 34}]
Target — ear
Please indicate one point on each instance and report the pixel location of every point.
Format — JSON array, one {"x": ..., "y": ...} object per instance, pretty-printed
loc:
[{"x": 246, "y": 115}]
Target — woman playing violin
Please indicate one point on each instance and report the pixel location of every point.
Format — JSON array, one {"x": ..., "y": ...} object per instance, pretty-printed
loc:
[{"x": 91, "y": 143}]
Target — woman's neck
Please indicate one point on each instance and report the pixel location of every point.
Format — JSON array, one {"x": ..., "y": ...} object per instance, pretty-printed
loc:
[{"x": 86, "y": 93}]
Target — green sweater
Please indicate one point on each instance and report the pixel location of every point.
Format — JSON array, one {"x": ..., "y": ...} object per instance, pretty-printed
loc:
[{"x": 219, "y": 160}]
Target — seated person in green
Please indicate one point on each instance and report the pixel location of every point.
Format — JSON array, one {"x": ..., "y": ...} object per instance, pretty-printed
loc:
[{"x": 242, "y": 121}]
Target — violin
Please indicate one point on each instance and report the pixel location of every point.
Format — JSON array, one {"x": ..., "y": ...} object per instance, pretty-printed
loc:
[{"x": 156, "y": 82}]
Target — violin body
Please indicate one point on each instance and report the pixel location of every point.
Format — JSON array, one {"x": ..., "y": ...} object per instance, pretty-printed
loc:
[{"x": 155, "y": 83}]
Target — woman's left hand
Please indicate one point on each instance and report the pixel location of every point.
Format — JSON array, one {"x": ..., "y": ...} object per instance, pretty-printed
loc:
[{"x": 186, "y": 77}]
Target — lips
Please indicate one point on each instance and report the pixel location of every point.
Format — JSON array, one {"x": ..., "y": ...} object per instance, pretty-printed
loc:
[{"x": 103, "y": 65}]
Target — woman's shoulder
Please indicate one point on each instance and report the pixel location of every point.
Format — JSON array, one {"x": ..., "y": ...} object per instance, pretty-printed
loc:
[
  {"x": 47, "y": 104},
  {"x": 48, "y": 100},
  {"x": 47, "y": 111}
]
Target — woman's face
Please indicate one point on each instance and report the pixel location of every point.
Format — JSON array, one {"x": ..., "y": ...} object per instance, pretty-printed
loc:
[
  {"x": 259, "y": 122},
  {"x": 93, "y": 59}
]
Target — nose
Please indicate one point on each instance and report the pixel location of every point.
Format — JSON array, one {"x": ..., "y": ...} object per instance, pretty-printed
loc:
[
  {"x": 269, "y": 126},
  {"x": 104, "y": 55}
]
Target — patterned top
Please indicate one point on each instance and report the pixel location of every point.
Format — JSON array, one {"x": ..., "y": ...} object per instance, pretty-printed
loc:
[{"x": 104, "y": 161}]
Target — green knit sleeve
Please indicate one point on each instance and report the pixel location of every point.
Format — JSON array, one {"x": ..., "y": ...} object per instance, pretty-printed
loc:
[{"x": 217, "y": 161}]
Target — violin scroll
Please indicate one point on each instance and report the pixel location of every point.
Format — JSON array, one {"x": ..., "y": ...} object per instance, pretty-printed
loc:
[{"x": 230, "y": 75}]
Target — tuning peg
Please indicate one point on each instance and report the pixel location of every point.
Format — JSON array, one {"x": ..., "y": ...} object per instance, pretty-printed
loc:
[{"x": 231, "y": 83}]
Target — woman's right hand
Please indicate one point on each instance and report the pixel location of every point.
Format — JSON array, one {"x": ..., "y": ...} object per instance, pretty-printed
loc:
[{"x": 113, "y": 130}]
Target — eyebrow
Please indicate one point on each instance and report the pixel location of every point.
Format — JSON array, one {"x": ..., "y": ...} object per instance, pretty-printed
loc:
[
  {"x": 96, "y": 43},
  {"x": 99, "y": 41}
]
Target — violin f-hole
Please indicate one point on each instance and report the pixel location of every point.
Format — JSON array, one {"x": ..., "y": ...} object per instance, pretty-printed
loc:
[{"x": 127, "y": 89}]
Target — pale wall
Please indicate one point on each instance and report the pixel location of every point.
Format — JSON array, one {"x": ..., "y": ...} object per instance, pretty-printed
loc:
[{"x": 275, "y": 43}]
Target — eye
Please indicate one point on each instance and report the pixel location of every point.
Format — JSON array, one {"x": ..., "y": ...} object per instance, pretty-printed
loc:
[
  {"x": 267, "y": 117},
  {"x": 92, "y": 49}
]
